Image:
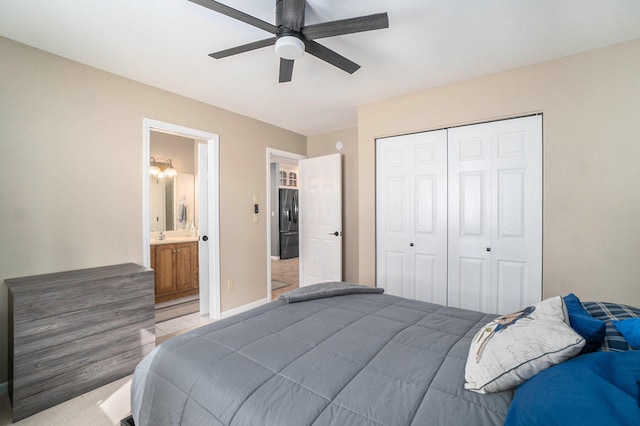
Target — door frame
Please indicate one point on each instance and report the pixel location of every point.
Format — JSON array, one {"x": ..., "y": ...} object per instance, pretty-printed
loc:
[
  {"x": 213, "y": 140},
  {"x": 272, "y": 152}
]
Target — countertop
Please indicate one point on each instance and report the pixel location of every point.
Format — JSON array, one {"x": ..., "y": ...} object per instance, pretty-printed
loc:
[{"x": 173, "y": 240}]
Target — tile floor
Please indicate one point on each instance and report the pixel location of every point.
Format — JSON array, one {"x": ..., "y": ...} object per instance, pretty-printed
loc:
[
  {"x": 286, "y": 271},
  {"x": 179, "y": 324}
]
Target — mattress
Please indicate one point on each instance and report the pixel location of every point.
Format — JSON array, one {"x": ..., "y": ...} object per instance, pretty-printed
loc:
[{"x": 350, "y": 359}]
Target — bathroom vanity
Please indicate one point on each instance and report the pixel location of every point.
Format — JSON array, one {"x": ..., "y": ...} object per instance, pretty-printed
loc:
[{"x": 175, "y": 262}]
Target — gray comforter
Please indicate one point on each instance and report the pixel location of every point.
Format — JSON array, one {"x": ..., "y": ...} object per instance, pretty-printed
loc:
[{"x": 355, "y": 359}]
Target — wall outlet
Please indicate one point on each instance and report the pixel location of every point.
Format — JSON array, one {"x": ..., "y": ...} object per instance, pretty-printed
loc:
[{"x": 230, "y": 285}]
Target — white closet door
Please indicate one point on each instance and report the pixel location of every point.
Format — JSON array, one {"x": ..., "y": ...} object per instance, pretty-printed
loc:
[
  {"x": 495, "y": 215},
  {"x": 411, "y": 209}
]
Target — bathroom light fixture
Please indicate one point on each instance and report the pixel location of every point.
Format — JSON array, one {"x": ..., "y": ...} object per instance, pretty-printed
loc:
[{"x": 161, "y": 167}]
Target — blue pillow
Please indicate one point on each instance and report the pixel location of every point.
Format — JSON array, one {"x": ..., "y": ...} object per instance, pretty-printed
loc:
[
  {"x": 601, "y": 388},
  {"x": 593, "y": 330},
  {"x": 630, "y": 329}
]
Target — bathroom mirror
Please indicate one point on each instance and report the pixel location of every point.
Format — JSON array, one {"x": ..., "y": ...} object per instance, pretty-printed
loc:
[
  {"x": 172, "y": 202},
  {"x": 161, "y": 196}
]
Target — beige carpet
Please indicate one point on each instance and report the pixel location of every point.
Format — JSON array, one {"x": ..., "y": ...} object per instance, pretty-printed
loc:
[{"x": 104, "y": 406}]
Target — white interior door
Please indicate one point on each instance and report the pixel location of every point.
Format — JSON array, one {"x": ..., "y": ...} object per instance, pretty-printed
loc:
[
  {"x": 411, "y": 210},
  {"x": 320, "y": 226},
  {"x": 203, "y": 227},
  {"x": 495, "y": 215},
  {"x": 211, "y": 238}
]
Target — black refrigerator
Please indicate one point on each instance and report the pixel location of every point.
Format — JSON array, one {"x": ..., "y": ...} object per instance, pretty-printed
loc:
[{"x": 288, "y": 223}]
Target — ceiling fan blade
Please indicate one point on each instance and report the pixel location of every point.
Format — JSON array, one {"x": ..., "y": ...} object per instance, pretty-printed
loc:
[
  {"x": 346, "y": 26},
  {"x": 293, "y": 14},
  {"x": 244, "y": 48},
  {"x": 328, "y": 55},
  {"x": 236, "y": 14},
  {"x": 286, "y": 70}
]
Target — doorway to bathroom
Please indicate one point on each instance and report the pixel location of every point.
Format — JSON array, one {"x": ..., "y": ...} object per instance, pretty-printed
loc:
[
  {"x": 173, "y": 218},
  {"x": 180, "y": 219}
]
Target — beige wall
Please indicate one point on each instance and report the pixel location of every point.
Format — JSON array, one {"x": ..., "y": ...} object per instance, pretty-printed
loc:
[
  {"x": 180, "y": 150},
  {"x": 591, "y": 107},
  {"x": 71, "y": 175},
  {"x": 325, "y": 144}
]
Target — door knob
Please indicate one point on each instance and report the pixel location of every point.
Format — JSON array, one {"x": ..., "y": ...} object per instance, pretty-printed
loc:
[
  {"x": 410, "y": 244},
  {"x": 335, "y": 234},
  {"x": 205, "y": 238}
]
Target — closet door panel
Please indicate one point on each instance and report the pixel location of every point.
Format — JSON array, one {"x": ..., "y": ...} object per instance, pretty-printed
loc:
[
  {"x": 469, "y": 213},
  {"x": 511, "y": 285},
  {"x": 516, "y": 240},
  {"x": 393, "y": 220},
  {"x": 511, "y": 203},
  {"x": 425, "y": 200},
  {"x": 411, "y": 215},
  {"x": 495, "y": 170},
  {"x": 426, "y": 285},
  {"x": 394, "y": 216},
  {"x": 473, "y": 203},
  {"x": 473, "y": 284}
]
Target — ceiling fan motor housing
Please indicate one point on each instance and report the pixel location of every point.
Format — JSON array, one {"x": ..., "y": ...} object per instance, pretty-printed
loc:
[{"x": 290, "y": 45}]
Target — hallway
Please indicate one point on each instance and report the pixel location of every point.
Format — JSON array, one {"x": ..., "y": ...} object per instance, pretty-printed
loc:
[{"x": 284, "y": 276}]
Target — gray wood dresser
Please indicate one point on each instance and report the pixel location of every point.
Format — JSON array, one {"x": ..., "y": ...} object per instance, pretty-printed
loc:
[{"x": 71, "y": 332}]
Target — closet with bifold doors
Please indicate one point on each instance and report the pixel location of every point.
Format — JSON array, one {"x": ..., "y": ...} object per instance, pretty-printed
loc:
[{"x": 459, "y": 215}]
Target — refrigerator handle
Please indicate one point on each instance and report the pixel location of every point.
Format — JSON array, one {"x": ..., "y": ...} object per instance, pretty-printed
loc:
[{"x": 295, "y": 209}]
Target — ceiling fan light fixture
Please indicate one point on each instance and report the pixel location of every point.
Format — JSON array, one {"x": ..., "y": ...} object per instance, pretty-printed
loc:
[{"x": 289, "y": 47}]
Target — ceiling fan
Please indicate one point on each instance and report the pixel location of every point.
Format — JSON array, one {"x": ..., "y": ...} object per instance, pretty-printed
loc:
[{"x": 293, "y": 38}]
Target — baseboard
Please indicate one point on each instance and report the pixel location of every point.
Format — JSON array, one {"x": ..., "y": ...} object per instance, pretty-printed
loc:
[
  {"x": 244, "y": 308},
  {"x": 4, "y": 387}
]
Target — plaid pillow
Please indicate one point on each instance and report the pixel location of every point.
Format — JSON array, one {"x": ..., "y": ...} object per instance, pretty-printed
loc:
[{"x": 605, "y": 311}]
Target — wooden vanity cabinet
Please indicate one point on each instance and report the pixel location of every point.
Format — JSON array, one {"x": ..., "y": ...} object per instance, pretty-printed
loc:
[{"x": 176, "y": 270}]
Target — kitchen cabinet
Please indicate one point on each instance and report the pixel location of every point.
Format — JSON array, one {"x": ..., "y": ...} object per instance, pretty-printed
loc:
[{"x": 176, "y": 270}]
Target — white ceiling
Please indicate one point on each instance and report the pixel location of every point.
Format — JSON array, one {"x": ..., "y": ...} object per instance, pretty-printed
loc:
[{"x": 429, "y": 43}]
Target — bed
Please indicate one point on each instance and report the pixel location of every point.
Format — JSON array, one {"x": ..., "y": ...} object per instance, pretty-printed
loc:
[{"x": 339, "y": 355}]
